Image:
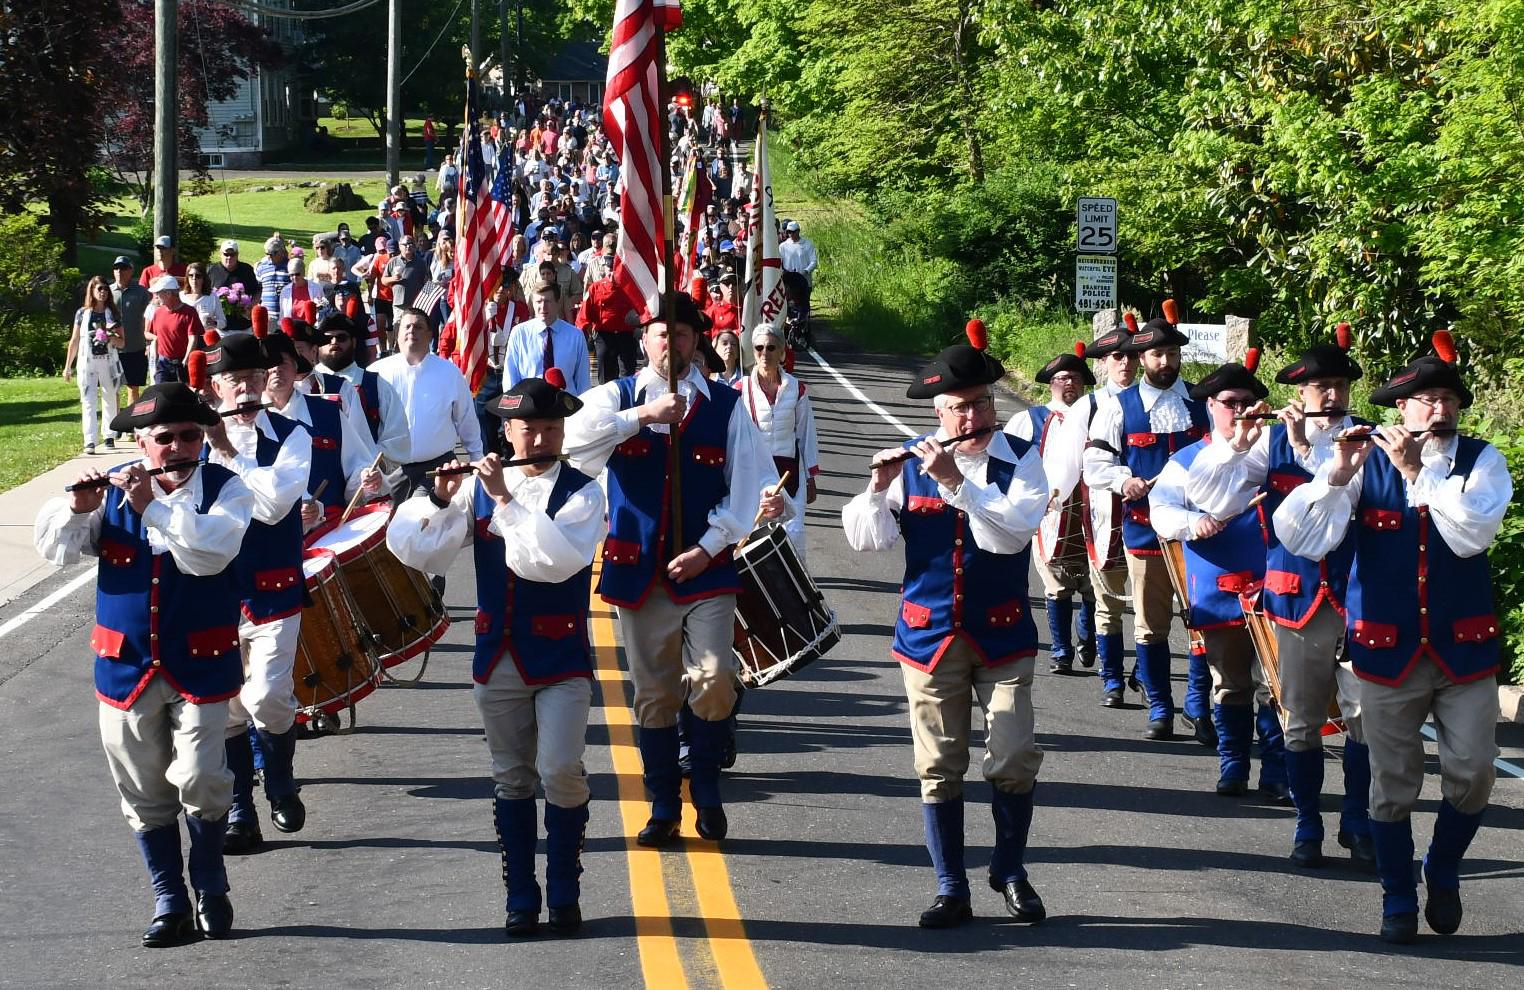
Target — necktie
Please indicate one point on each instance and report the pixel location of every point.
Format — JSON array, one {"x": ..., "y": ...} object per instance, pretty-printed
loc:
[{"x": 550, "y": 348}]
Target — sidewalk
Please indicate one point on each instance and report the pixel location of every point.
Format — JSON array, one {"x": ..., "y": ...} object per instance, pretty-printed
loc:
[{"x": 20, "y": 567}]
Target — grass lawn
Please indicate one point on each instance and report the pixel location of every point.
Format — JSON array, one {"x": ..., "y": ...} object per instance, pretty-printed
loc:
[{"x": 39, "y": 427}]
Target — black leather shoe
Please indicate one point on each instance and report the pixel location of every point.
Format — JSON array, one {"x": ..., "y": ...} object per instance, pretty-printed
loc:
[
  {"x": 1276, "y": 793},
  {"x": 242, "y": 838},
  {"x": 1204, "y": 731},
  {"x": 214, "y": 915},
  {"x": 1022, "y": 902},
  {"x": 522, "y": 923},
  {"x": 1160, "y": 728},
  {"x": 1087, "y": 653},
  {"x": 1400, "y": 929},
  {"x": 1307, "y": 855},
  {"x": 1062, "y": 667},
  {"x": 1132, "y": 681},
  {"x": 1232, "y": 788},
  {"x": 947, "y": 912},
  {"x": 169, "y": 929},
  {"x": 1443, "y": 911},
  {"x": 1112, "y": 698},
  {"x": 657, "y": 833},
  {"x": 564, "y": 920},
  {"x": 712, "y": 823},
  {"x": 1362, "y": 851},
  {"x": 288, "y": 813}
]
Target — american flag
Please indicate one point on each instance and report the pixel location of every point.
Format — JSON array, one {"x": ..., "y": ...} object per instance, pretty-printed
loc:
[
  {"x": 483, "y": 229},
  {"x": 632, "y": 115}
]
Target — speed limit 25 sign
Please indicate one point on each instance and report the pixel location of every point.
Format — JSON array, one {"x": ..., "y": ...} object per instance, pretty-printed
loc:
[{"x": 1096, "y": 231}]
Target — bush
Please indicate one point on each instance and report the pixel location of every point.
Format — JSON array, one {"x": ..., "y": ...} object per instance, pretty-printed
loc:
[
  {"x": 32, "y": 344},
  {"x": 37, "y": 291},
  {"x": 196, "y": 238}
]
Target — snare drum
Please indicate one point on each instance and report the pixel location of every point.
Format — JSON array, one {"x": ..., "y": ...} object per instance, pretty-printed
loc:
[
  {"x": 403, "y": 615},
  {"x": 333, "y": 667},
  {"x": 1262, "y": 632},
  {"x": 782, "y": 620}
]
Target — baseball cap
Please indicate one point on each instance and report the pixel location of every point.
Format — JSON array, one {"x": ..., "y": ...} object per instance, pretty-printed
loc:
[
  {"x": 165, "y": 283},
  {"x": 230, "y": 246},
  {"x": 164, "y": 242},
  {"x": 122, "y": 261},
  {"x": 792, "y": 225}
]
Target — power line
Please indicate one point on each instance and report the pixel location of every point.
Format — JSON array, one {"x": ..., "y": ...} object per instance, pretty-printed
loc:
[{"x": 300, "y": 15}]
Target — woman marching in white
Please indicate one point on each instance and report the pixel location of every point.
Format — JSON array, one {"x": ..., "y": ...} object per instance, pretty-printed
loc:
[
  {"x": 779, "y": 406},
  {"x": 94, "y": 342}
]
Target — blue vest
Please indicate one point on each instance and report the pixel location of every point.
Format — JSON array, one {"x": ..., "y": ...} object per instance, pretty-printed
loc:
[
  {"x": 270, "y": 564},
  {"x": 1296, "y": 586},
  {"x": 1145, "y": 453},
  {"x": 1039, "y": 415},
  {"x": 327, "y": 431},
  {"x": 1219, "y": 568},
  {"x": 150, "y": 618},
  {"x": 543, "y": 626},
  {"x": 370, "y": 402},
  {"x": 1399, "y": 556},
  {"x": 952, "y": 587},
  {"x": 636, "y": 552}
]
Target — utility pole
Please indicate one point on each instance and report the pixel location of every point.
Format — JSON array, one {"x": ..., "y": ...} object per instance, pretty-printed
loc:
[
  {"x": 166, "y": 99},
  {"x": 393, "y": 93},
  {"x": 502, "y": 56},
  {"x": 476, "y": 36},
  {"x": 518, "y": 46}
]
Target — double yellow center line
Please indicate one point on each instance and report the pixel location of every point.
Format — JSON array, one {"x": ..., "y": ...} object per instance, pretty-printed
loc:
[{"x": 695, "y": 878}]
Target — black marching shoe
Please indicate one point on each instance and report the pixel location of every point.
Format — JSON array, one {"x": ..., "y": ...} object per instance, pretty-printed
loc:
[
  {"x": 657, "y": 833},
  {"x": 1227, "y": 787},
  {"x": 1276, "y": 793},
  {"x": 1307, "y": 855},
  {"x": 1203, "y": 730},
  {"x": 1061, "y": 666},
  {"x": 1362, "y": 851},
  {"x": 1087, "y": 653},
  {"x": 564, "y": 920},
  {"x": 1160, "y": 728},
  {"x": 1443, "y": 911},
  {"x": 1022, "y": 901},
  {"x": 1112, "y": 698},
  {"x": 288, "y": 813},
  {"x": 712, "y": 823},
  {"x": 1132, "y": 681},
  {"x": 214, "y": 915},
  {"x": 947, "y": 911},
  {"x": 242, "y": 838},
  {"x": 1400, "y": 929},
  {"x": 169, "y": 929},
  {"x": 522, "y": 923}
]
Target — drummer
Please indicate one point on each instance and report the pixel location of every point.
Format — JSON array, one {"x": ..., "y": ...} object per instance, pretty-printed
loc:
[
  {"x": 964, "y": 631},
  {"x": 1063, "y": 563},
  {"x": 302, "y": 330},
  {"x": 1304, "y": 598},
  {"x": 777, "y": 403},
  {"x": 337, "y": 339},
  {"x": 533, "y": 530},
  {"x": 273, "y": 456},
  {"x": 676, "y": 600},
  {"x": 1224, "y": 555}
]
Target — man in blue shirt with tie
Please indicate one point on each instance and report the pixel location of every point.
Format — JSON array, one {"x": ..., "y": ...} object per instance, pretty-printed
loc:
[{"x": 547, "y": 341}]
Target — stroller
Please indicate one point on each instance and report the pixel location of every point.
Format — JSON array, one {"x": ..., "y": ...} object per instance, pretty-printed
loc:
[{"x": 798, "y": 333}]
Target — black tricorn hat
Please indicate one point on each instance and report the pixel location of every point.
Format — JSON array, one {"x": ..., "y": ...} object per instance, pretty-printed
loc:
[
  {"x": 1074, "y": 363},
  {"x": 687, "y": 312},
  {"x": 170, "y": 402},
  {"x": 1430, "y": 371},
  {"x": 538, "y": 398},
  {"x": 1157, "y": 332},
  {"x": 335, "y": 323},
  {"x": 237, "y": 352},
  {"x": 1232, "y": 375},
  {"x": 958, "y": 366},
  {"x": 1323, "y": 361},
  {"x": 278, "y": 344}
]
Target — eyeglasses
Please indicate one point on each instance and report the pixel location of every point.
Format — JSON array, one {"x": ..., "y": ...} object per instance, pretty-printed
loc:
[
  {"x": 768, "y": 348},
  {"x": 1434, "y": 401},
  {"x": 1237, "y": 405},
  {"x": 961, "y": 409},
  {"x": 184, "y": 436}
]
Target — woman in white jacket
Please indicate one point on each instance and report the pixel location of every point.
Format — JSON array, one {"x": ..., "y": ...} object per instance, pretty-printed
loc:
[
  {"x": 779, "y": 406},
  {"x": 93, "y": 344}
]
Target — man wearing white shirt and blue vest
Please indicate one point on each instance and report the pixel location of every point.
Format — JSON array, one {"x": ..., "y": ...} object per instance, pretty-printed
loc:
[
  {"x": 165, "y": 642},
  {"x": 1423, "y": 630},
  {"x": 545, "y": 342},
  {"x": 676, "y": 595},
  {"x": 964, "y": 635}
]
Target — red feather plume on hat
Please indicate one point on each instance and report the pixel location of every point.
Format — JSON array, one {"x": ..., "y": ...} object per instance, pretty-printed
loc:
[
  {"x": 554, "y": 377},
  {"x": 210, "y": 338},
  {"x": 1171, "y": 312},
  {"x": 195, "y": 369},
  {"x": 352, "y": 307},
  {"x": 1131, "y": 321},
  {"x": 977, "y": 335},
  {"x": 306, "y": 311},
  {"x": 288, "y": 327},
  {"x": 1251, "y": 360},
  {"x": 1343, "y": 336},
  {"x": 259, "y": 319},
  {"x": 1079, "y": 348},
  {"x": 1444, "y": 346}
]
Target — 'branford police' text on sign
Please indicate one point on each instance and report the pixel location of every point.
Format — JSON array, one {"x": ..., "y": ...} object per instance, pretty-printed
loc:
[{"x": 1095, "y": 282}]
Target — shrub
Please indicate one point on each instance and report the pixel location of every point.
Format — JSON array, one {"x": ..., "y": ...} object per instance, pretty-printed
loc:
[
  {"x": 32, "y": 344},
  {"x": 196, "y": 237}
]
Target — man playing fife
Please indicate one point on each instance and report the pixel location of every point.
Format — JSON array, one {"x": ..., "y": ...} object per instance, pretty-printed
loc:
[
  {"x": 1223, "y": 556},
  {"x": 964, "y": 634},
  {"x": 1423, "y": 504},
  {"x": 1304, "y": 598},
  {"x": 533, "y": 530}
]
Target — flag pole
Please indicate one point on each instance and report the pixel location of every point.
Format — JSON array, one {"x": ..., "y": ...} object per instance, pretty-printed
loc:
[{"x": 669, "y": 295}]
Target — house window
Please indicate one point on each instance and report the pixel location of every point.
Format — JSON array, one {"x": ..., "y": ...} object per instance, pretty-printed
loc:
[
  {"x": 564, "y": 90},
  {"x": 213, "y": 160}
]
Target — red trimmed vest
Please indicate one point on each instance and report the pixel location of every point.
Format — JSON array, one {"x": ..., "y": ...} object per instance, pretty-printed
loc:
[
  {"x": 1219, "y": 568},
  {"x": 1145, "y": 453},
  {"x": 270, "y": 564}
]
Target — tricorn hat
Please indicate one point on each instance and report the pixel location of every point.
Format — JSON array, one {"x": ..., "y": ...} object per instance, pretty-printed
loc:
[
  {"x": 1435, "y": 370},
  {"x": 169, "y": 402}
]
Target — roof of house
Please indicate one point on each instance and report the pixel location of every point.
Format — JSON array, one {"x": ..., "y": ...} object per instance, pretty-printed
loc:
[{"x": 577, "y": 61}]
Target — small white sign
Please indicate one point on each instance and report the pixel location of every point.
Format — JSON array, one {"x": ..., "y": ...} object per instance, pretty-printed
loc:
[
  {"x": 1096, "y": 227},
  {"x": 1209, "y": 343},
  {"x": 1095, "y": 282}
]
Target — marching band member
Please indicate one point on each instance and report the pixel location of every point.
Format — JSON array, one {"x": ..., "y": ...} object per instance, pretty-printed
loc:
[
  {"x": 300, "y": 329},
  {"x": 273, "y": 456},
  {"x": 533, "y": 530},
  {"x": 1131, "y": 439},
  {"x": 1419, "y": 499},
  {"x": 964, "y": 634},
  {"x": 676, "y": 600},
  {"x": 166, "y": 643},
  {"x": 1304, "y": 598},
  {"x": 1063, "y": 560},
  {"x": 776, "y": 402},
  {"x": 1224, "y": 555},
  {"x": 386, "y": 421}
]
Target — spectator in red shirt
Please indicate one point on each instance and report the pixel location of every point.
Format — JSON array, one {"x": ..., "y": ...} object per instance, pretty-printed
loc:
[
  {"x": 172, "y": 326},
  {"x": 428, "y": 142},
  {"x": 609, "y": 313},
  {"x": 164, "y": 263},
  {"x": 723, "y": 311}
]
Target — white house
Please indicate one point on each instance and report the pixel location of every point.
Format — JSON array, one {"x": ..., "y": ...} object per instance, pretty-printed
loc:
[{"x": 268, "y": 114}]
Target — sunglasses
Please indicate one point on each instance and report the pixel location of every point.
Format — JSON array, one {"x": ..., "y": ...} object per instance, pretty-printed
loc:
[
  {"x": 184, "y": 436},
  {"x": 765, "y": 347}
]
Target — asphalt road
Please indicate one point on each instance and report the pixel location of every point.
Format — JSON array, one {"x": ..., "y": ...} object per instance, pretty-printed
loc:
[{"x": 1150, "y": 879}]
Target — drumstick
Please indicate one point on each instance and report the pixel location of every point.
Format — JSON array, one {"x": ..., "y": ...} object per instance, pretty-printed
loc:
[
  {"x": 359, "y": 493},
  {"x": 169, "y": 468},
  {"x": 1321, "y": 414},
  {"x": 950, "y": 442},
  {"x": 1256, "y": 500},
  {"x": 517, "y": 462},
  {"x": 758, "y": 521}
]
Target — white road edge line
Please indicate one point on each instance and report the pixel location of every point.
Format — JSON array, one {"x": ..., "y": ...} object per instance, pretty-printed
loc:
[
  {"x": 22, "y": 618},
  {"x": 1512, "y": 769},
  {"x": 857, "y": 393}
]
